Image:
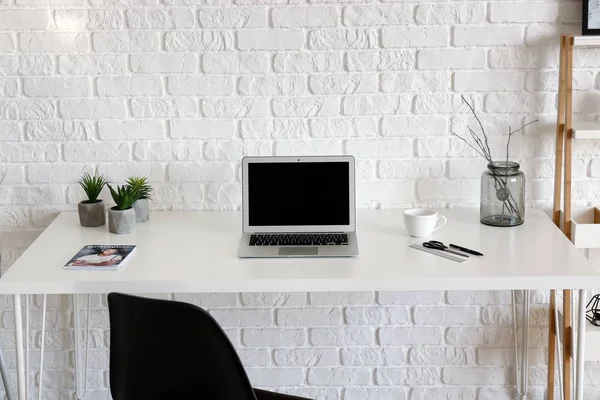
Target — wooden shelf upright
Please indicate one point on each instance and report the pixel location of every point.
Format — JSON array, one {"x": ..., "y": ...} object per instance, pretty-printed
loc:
[{"x": 565, "y": 133}]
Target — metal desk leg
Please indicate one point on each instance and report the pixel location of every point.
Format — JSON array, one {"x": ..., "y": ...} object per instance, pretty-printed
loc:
[
  {"x": 522, "y": 362},
  {"x": 559, "y": 353},
  {"x": 26, "y": 335},
  {"x": 580, "y": 346},
  {"x": 40, "y": 384},
  {"x": 19, "y": 345},
  {"x": 5, "y": 378},
  {"x": 81, "y": 387}
]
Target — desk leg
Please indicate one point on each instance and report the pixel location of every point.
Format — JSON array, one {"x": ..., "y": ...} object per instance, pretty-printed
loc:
[
  {"x": 522, "y": 361},
  {"x": 81, "y": 387},
  {"x": 5, "y": 378},
  {"x": 580, "y": 346},
  {"x": 40, "y": 385},
  {"x": 559, "y": 353},
  {"x": 567, "y": 345},
  {"x": 551, "y": 345},
  {"x": 19, "y": 344},
  {"x": 26, "y": 339}
]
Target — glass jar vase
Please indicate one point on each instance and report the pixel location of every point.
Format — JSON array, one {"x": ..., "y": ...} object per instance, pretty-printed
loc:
[{"x": 502, "y": 194}]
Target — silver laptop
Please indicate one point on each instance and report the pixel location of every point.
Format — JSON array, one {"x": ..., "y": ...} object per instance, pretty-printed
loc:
[{"x": 298, "y": 207}]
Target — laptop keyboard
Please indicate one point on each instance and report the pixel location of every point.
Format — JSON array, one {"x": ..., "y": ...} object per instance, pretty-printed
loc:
[{"x": 299, "y": 239}]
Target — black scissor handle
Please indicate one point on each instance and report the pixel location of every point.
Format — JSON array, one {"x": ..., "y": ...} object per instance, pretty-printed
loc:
[
  {"x": 434, "y": 244},
  {"x": 437, "y": 243}
]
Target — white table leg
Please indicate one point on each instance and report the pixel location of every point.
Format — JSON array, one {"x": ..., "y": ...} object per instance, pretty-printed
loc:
[
  {"x": 19, "y": 344},
  {"x": 525, "y": 345},
  {"x": 559, "y": 353},
  {"x": 5, "y": 378},
  {"x": 26, "y": 346},
  {"x": 522, "y": 361},
  {"x": 580, "y": 346},
  {"x": 40, "y": 385},
  {"x": 81, "y": 387}
]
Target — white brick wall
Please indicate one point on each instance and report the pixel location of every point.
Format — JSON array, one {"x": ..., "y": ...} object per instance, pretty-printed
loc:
[{"x": 180, "y": 90}]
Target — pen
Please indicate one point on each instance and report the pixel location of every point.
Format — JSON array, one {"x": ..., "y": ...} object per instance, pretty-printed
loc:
[{"x": 475, "y": 253}]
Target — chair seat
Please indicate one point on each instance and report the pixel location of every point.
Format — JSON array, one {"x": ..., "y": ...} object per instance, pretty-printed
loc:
[{"x": 266, "y": 395}]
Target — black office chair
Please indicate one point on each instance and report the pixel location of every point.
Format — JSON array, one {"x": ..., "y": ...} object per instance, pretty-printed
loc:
[{"x": 167, "y": 350}]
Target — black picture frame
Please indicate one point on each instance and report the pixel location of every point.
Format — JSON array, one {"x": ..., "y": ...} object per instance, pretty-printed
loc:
[{"x": 585, "y": 29}]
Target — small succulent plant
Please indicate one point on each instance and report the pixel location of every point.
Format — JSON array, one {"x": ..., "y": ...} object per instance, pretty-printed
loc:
[
  {"x": 141, "y": 185},
  {"x": 124, "y": 196},
  {"x": 92, "y": 186}
]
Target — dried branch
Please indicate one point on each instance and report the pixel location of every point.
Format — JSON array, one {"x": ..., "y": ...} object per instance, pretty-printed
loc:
[
  {"x": 480, "y": 144},
  {"x": 510, "y": 133},
  {"x": 526, "y": 125},
  {"x": 479, "y": 122},
  {"x": 468, "y": 144}
]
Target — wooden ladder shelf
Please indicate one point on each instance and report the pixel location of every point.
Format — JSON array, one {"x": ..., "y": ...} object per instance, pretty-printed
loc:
[{"x": 566, "y": 131}]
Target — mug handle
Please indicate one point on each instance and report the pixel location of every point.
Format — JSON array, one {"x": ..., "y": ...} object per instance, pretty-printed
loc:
[{"x": 443, "y": 223}]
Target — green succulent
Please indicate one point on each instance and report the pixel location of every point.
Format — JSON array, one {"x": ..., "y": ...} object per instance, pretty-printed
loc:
[
  {"x": 124, "y": 196},
  {"x": 92, "y": 186},
  {"x": 141, "y": 185}
]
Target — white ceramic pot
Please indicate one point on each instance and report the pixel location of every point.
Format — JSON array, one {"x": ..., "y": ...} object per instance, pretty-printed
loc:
[
  {"x": 142, "y": 210},
  {"x": 121, "y": 221}
]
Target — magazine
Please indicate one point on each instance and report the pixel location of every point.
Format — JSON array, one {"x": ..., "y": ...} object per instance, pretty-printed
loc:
[{"x": 101, "y": 257}]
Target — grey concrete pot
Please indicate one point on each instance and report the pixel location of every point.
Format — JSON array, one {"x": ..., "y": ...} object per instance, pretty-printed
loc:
[
  {"x": 121, "y": 221},
  {"x": 142, "y": 210},
  {"x": 92, "y": 214}
]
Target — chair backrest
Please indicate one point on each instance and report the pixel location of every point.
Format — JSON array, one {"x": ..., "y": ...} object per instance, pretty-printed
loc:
[{"x": 164, "y": 350}]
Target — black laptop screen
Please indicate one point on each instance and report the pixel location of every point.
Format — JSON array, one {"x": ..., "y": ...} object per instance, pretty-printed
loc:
[{"x": 301, "y": 193}]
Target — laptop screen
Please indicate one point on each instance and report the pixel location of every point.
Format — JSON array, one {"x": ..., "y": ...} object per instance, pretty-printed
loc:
[{"x": 298, "y": 193}]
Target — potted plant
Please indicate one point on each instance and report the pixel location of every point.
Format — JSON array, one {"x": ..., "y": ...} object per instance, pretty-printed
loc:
[
  {"x": 144, "y": 190},
  {"x": 91, "y": 211},
  {"x": 121, "y": 217}
]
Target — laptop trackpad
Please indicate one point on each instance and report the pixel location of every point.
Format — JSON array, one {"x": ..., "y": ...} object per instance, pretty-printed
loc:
[{"x": 298, "y": 251}]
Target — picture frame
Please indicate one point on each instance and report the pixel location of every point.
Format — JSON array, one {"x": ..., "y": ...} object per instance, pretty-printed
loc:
[{"x": 590, "y": 17}]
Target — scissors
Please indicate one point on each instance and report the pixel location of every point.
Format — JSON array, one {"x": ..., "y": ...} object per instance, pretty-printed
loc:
[{"x": 434, "y": 244}]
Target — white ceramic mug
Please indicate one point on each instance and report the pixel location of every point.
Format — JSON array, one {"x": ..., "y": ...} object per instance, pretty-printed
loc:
[{"x": 422, "y": 222}]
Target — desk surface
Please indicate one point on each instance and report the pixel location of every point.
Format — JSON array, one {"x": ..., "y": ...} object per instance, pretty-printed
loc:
[{"x": 182, "y": 252}]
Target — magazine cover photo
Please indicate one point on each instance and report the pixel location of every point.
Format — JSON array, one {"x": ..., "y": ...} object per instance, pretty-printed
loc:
[{"x": 100, "y": 256}]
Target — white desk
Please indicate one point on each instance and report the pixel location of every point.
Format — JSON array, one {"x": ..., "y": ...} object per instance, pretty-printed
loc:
[
  {"x": 183, "y": 252},
  {"x": 190, "y": 252}
]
